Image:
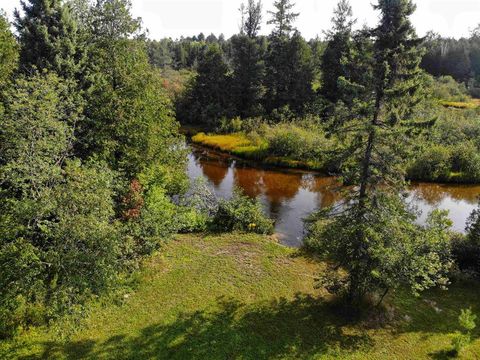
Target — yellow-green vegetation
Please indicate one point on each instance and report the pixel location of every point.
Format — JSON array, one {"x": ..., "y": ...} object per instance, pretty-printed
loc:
[
  {"x": 246, "y": 297},
  {"x": 253, "y": 146},
  {"x": 461, "y": 105},
  {"x": 229, "y": 143}
]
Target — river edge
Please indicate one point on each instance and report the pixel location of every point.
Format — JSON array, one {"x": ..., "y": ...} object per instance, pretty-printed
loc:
[{"x": 284, "y": 163}]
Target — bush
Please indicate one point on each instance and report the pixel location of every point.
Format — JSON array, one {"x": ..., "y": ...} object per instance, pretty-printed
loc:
[
  {"x": 466, "y": 320},
  {"x": 240, "y": 213},
  {"x": 434, "y": 164},
  {"x": 297, "y": 142},
  {"x": 228, "y": 126},
  {"x": 446, "y": 88},
  {"x": 466, "y": 254},
  {"x": 466, "y": 161}
]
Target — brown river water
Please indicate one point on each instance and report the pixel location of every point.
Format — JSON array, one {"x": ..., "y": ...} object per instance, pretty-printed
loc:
[{"x": 290, "y": 196}]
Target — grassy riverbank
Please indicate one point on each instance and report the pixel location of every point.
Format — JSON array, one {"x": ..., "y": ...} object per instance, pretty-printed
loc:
[
  {"x": 240, "y": 145},
  {"x": 245, "y": 297}
]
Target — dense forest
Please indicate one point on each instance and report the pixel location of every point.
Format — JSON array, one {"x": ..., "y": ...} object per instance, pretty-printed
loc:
[{"x": 93, "y": 162}]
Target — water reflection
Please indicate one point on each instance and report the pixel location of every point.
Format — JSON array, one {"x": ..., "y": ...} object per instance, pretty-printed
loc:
[{"x": 288, "y": 197}]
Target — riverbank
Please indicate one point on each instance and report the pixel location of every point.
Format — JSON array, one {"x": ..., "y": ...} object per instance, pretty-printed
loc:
[
  {"x": 238, "y": 144},
  {"x": 241, "y": 296},
  {"x": 258, "y": 151}
]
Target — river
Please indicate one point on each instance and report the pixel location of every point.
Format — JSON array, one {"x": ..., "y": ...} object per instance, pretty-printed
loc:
[{"x": 290, "y": 196}]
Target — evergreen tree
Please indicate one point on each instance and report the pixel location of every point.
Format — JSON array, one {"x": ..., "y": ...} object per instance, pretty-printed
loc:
[
  {"x": 283, "y": 18},
  {"x": 337, "y": 54},
  {"x": 208, "y": 98},
  {"x": 48, "y": 37},
  {"x": 288, "y": 63},
  {"x": 8, "y": 51},
  {"x": 248, "y": 65},
  {"x": 375, "y": 238},
  {"x": 253, "y": 19}
]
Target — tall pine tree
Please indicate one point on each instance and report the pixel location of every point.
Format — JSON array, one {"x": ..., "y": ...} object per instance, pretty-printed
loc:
[
  {"x": 8, "y": 50},
  {"x": 337, "y": 54},
  {"x": 289, "y": 65},
  {"x": 248, "y": 64},
  {"x": 374, "y": 238},
  {"x": 48, "y": 37}
]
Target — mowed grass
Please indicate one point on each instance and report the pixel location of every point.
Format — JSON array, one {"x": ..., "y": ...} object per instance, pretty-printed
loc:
[{"x": 246, "y": 297}]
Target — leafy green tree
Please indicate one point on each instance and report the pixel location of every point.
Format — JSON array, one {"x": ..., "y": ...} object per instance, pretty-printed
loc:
[
  {"x": 129, "y": 118},
  {"x": 338, "y": 52},
  {"x": 58, "y": 242},
  {"x": 48, "y": 37},
  {"x": 367, "y": 238}
]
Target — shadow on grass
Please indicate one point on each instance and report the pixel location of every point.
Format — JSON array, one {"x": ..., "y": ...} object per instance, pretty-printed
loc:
[{"x": 297, "y": 328}]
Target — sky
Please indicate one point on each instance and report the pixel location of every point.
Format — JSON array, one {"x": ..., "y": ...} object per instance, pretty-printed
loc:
[{"x": 174, "y": 18}]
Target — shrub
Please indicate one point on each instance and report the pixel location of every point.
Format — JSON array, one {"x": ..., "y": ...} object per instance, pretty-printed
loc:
[
  {"x": 466, "y": 160},
  {"x": 446, "y": 88},
  {"x": 297, "y": 142},
  {"x": 466, "y": 254},
  {"x": 228, "y": 126},
  {"x": 466, "y": 320},
  {"x": 240, "y": 213},
  {"x": 434, "y": 164}
]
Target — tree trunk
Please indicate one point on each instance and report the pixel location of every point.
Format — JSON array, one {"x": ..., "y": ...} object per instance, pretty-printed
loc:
[{"x": 367, "y": 159}]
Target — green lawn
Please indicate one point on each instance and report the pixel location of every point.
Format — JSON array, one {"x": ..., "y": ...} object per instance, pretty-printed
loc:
[{"x": 245, "y": 297}]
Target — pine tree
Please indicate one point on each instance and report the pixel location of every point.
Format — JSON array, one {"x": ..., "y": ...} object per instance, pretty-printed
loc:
[
  {"x": 48, "y": 37},
  {"x": 8, "y": 50},
  {"x": 374, "y": 237},
  {"x": 283, "y": 18},
  {"x": 248, "y": 64},
  {"x": 208, "y": 99},
  {"x": 289, "y": 65},
  {"x": 337, "y": 54},
  {"x": 253, "y": 19}
]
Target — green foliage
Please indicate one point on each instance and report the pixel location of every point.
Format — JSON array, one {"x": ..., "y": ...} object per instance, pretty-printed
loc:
[
  {"x": 75, "y": 133},
  {"x": 307, "y": 142},
  {"x": 207, "y": 99},
  {"x": 248, "y": 75},
  {"x": 58, "y": 239},
  {"x": 8, "y": 51},
  {"x": 49, "y": 38},
  {"x": 433, "y": 163},
  {"x": 473, "y": 227},
  {"x": 381, "y": 250},
  {"x": 446, "y": 88},
  {"x": 241, "y": 213},
  {"x": 466, "y": 320},
  {"x": 289, "y": 73},
  {"x": 338, "y": 52},
  {"x": 37, "y": 133},
  {"x": 372, "y": 239},
  {"x": 282, "y": 18}
]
